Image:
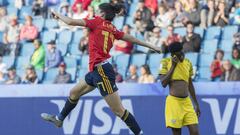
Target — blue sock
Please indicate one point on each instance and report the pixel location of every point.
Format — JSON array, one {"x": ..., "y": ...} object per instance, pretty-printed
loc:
[
  {"x": 68, "y": 107},
  {"x": 131, "y": 122}
]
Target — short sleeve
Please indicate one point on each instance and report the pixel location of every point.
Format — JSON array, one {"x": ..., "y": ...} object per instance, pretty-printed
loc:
[
  {"x": 163, "y": 67},
  {"x": 91, "y": 23},
  {"x": 118, "y": 34}
]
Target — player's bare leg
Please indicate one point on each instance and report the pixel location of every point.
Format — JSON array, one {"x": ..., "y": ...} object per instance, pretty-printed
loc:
[
  {"x": 114, "y": 102},
  {"x": 76, "y": 92},
  {"x": 193, "y": 129},
  {"x": 176, "y": 131}
]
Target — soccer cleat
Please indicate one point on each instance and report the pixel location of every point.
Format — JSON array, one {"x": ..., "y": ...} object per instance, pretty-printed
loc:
[{"x": 52, "y": 118}]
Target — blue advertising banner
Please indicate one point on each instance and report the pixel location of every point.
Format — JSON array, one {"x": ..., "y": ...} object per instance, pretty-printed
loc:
[{"x": 21, "y": 106}]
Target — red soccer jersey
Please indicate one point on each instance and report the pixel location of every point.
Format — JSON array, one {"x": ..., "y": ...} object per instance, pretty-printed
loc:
[{"x": 101, "y": 37}]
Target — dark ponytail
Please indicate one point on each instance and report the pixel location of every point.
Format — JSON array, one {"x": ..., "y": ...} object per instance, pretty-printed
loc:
[{"x": 111, "y": 10}]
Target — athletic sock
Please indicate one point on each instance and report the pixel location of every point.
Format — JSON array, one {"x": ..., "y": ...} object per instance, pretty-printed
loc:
[
  {"x": 68, "y": 107},
  {"x": 131, "y": 122}
]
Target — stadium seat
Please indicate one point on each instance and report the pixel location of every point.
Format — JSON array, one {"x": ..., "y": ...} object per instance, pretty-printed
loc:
[
  {"x": 39, "y": 23},
  {"x": 25, "y": 10},
  {"x": 27, "y": 49},
  {"x": 226, "y": 45},
  {"x": 229, "y": 31},
  {"x": 141, "y": 49},
  {"x": 11, "y": 10},
  {"x": 22, "y": 62},
  {"x": 138, "y": 59},
  {"x": 122, "y": 62},
  {"x": 227, "y": 56},
  {"x": 47, "y": 36},
  {"x": 84, "y": 62},
  {"x": 210, "y": 46},
  {"x": 154, "y": 60},
  {"x": 64, "y": 37},
  {"x": 50, "y": 75},
  {"x": 181, "y": 31},
  {"x": 133, "y": 8},
  {"x": 193, "y": 57},
  {"x": 74, "y": 49},
  {"x": 213, "y": 32},
  {"x": 70, "y": 62},
  {"x": 50, "y": 24},
  {"x": 1, "y": 37},
  {"x": 10, "y": 2},
  {"x": 204, "y": 73},
  {"x": 77, "y": 36},
  {"x": 206, "y": 59},
  {"x": 82, "y": 72},
  {"x": 72, "y": 71},
  {"x": 164, "y": 33},
  {"x": 63, "y": 48},
  {"x": 199, "y": 31},
  {"x": 118, "y": 22},
  {"x": 9, "y": 60},
  {"x": 129, "y": 21}
]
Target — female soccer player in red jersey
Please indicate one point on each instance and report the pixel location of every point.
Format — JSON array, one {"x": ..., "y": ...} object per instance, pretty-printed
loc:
[{"x": 101, "y": 74}]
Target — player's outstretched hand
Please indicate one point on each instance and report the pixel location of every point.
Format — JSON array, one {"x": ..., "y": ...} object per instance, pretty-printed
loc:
[
  {"x": 197, "y": 110},
  {"x": 54, "y": 14}
]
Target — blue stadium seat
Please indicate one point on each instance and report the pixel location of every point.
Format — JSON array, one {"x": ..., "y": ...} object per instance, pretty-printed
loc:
[
  {"x": 118, "y": 22},
  {"x": 64, "y": 37},
  {"x": 27, "y": 49},
  {"x": 164, "y": 33},
  {"x": 1, "y": 36},
  {"x": 50, "y": 75},
  {"x": 133, "y": 8},
  {"x": 82, "y": 72},
  {"x": 204, "y": 73},
  {"x": 72, "y": 71},
  {"x": 25, "y": 10},
  {"x": 22, "y": 62},
  {"x": 154, "y": 63},
  {"x": 206, "y": 59},
  {"x": 47, "y": 36},
  {"x": 9, "y": 60},
  {"x": 193, "y": 57},
  {"x": 77, "y": 36},
  {"x": 129, "y": 21},
  {"x": 63, "y": 48},
  {"x": 10, "y": 2},
  {"x": 74, "y": 49},
  {"x": 39, "y": 74},
  {"x": 210, "y": 46},
  {"x": 122, "y": 62},
  {"x": 138, "y": 59},
  {"x": 199, "y": 31},
  {"x": 213, "y": 32},
  {"x": 141, "y": 49},
  {"x": 228, "y": 32},
  {"x": 50, "y": 24},
  {"x": 226, "y": 45},
  {"x": 39, "y": 23},
  {"x": 70, "y": 62},
  {"x": 181, "y": 31},
  {"x": 227, "y": 56},
  {"x": 84, "y": 62},
  {"x": 12, "y": 10}
]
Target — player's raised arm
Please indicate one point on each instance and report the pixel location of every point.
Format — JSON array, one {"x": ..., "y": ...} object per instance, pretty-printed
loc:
[
  {"x": 68, "y": 20},
  {"x": 134, "y": 40}
]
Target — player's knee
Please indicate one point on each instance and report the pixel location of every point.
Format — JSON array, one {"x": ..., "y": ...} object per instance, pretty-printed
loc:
[
  {"x": 74, "y": 95},
  {"x": 118, "y": 111}
]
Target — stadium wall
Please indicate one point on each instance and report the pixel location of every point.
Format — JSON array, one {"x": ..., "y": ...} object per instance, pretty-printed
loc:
[{"x": 21, "y": 106}]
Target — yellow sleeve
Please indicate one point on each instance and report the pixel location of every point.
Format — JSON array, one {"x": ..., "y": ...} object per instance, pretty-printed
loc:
[{"x": 163, "y": 67}]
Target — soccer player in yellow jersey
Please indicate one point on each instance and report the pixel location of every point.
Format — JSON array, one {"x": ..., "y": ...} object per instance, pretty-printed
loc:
[{"x": 179, "y": 110}]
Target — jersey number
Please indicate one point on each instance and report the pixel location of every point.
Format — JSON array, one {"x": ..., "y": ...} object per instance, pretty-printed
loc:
[{"x": 106, "y": 35}]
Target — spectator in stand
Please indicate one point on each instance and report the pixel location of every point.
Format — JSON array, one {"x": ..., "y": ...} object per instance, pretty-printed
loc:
[
  {"x": 65, "y": 10},
  {"x": 133, "y": 77},
  {"x": 144, "y": 15},
  {"x": 237, "y": 41},
  {"x": 152, "y": 5},
  {"x": 4, "y": 19},
  {"x": 80, "y": 14},
  {"x": 53, "y": 56},
  {"x": 221, "y": 17},
  {"x": 28, "y": 32},
  {"x": 236, "y": 13},
  {"x": 3, "y": 66},
  {"x": 118, "y": 76},
  {"x": 179, "y": 16},
  {"x": 96, "y": 3},
  {"x": 156, "y": 38},
  {"x": 91, "y": 12},
  {"x": 163, "y": 19},
  {"x": 19, "y": 3},
  {"x": 123, "y": 47},
  {"x": 230, "y": 73},
  {"x": 83, "y": 45},
  {"x": 216, "y": 66},
  {"x": 30, "y": 76},
  {"x": 84, "y": 3},
  {"x": 12, "y": 77},
  {"x": 192, "y": 41},
  {"x": 11, "y": 37},
  {"x": 186, "y": 5},
  {"x": 236, "y": 58},
  {"x": 63, "y": 76},
  {"x": 38, "y": 56},
  {"x": 193, "y": 14},
  {"x": 39, "y": 8},
  {"x": 207, "y": 14},
  {"x": 146, "y": 76}
]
